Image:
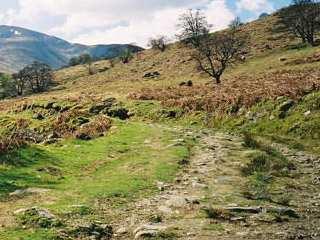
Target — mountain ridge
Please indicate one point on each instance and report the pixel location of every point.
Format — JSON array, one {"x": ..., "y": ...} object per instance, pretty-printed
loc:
[{"x": 20, "y": 47}]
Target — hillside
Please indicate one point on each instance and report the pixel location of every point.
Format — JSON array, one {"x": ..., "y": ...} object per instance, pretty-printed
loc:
[
  {"x": 131, "y": 153},
  {"x": 20, "y": 47}
]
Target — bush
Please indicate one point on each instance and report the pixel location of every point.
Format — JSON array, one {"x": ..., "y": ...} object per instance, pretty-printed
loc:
[
  {"x": 82, "y": 59},
  {"x": 35, "y": 77},
  {"x": 126, "y": 56},
  {"x": 159, "y": 43}
]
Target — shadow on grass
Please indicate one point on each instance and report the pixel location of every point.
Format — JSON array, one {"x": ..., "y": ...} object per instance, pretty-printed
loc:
[
  {"x": 26, "y": 156},
  {"x": 20, "y": 169}
]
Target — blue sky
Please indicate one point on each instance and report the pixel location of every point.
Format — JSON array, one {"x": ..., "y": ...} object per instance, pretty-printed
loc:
[{"x": 123, "y": 21}]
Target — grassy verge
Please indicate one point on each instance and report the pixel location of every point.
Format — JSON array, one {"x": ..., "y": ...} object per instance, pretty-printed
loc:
[
  {"x": 297, "y": 127},
  {"x": 266, "y": 169},
  {"x": 116, "y": 169}
]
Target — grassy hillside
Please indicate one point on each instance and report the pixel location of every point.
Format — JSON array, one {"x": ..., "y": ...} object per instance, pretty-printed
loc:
[{"x": 114, "y": 147}]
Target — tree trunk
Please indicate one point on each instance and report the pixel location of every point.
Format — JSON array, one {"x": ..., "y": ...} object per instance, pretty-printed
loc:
[
  {"x": 218, "y": 79},
  {"x": 311, "y": 41}
]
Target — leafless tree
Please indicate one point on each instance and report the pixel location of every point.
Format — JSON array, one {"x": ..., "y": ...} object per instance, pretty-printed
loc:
[
  {"x": 218, "y": 52},
  {"x": 213, "y": 52},
  {"x": 159, "y": 43},
  {"x": 302, "y": 18},
  {"x": 235, "y": 23},
  {"x": 193, "y": 27}
]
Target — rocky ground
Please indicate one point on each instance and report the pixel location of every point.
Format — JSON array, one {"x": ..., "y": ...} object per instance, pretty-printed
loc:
[{"x": 212, "y": 180}]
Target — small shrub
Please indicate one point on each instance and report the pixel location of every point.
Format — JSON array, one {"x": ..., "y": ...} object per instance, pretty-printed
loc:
[
  {"x": 126, "y": 56},
  {"x": 159, "y": 43},
  {"x": 260, "y": 163},
  {"x": 257, "y": 187}
]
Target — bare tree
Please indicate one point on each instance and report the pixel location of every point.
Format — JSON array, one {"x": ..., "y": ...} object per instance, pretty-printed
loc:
[
  {"x": 159, "y": 43},
  {"x": 215, "y": 52},
  {"x": 193, "y": 27},
  {"x": 218, "y": 52},
  {"x": 302, "y": 18},
  {"x": 235, "y": 23},
  {"x": 37, "y": 75}
]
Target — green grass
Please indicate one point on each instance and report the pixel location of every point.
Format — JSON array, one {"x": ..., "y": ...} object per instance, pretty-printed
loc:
[
  {"x": 297, "y": 130},
  {"x": 266, "y": 166},
  {"x": 258, "y": 65},
  {"x": 30, "y": 234},
  {"x": 119, "y": 167}
]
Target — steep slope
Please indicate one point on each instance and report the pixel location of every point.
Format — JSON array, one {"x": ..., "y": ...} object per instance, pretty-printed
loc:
[{"x": 19, "y": 47}]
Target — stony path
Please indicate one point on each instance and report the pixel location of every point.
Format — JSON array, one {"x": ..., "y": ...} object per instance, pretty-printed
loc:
[
  {"x": 213, "y": 178},
  {"x": 179, "y": 204}
]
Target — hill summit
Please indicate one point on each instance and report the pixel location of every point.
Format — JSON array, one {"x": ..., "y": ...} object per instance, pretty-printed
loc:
[{"x": 20, "y": 46}]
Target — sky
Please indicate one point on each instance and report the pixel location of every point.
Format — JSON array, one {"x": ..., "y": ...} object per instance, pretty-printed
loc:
[{"x": 123, "y": 21}]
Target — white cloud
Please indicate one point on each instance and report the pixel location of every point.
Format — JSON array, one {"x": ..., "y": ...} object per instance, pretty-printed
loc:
[
  {"x": 255, "y": 6},
  {"x": 110, "y": 21}
]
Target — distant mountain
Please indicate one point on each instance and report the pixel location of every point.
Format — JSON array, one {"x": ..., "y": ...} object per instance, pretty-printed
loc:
[{"x": 20, "y": 47}]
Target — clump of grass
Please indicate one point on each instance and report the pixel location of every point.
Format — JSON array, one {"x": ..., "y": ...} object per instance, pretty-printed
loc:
[
  {"x": 257, "y": 187},
  {"x": 284, "y": 199},
  {"x": 82, "y": 210},
  {"x": 264, "y": 165},
  {"x": 267, "y": 159},
  {"x": 156, "y": 219},
  {"x": 217, "y": 213},
  {"x": 260, "y": 163},
  {"x": 249, "y": 141}
]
